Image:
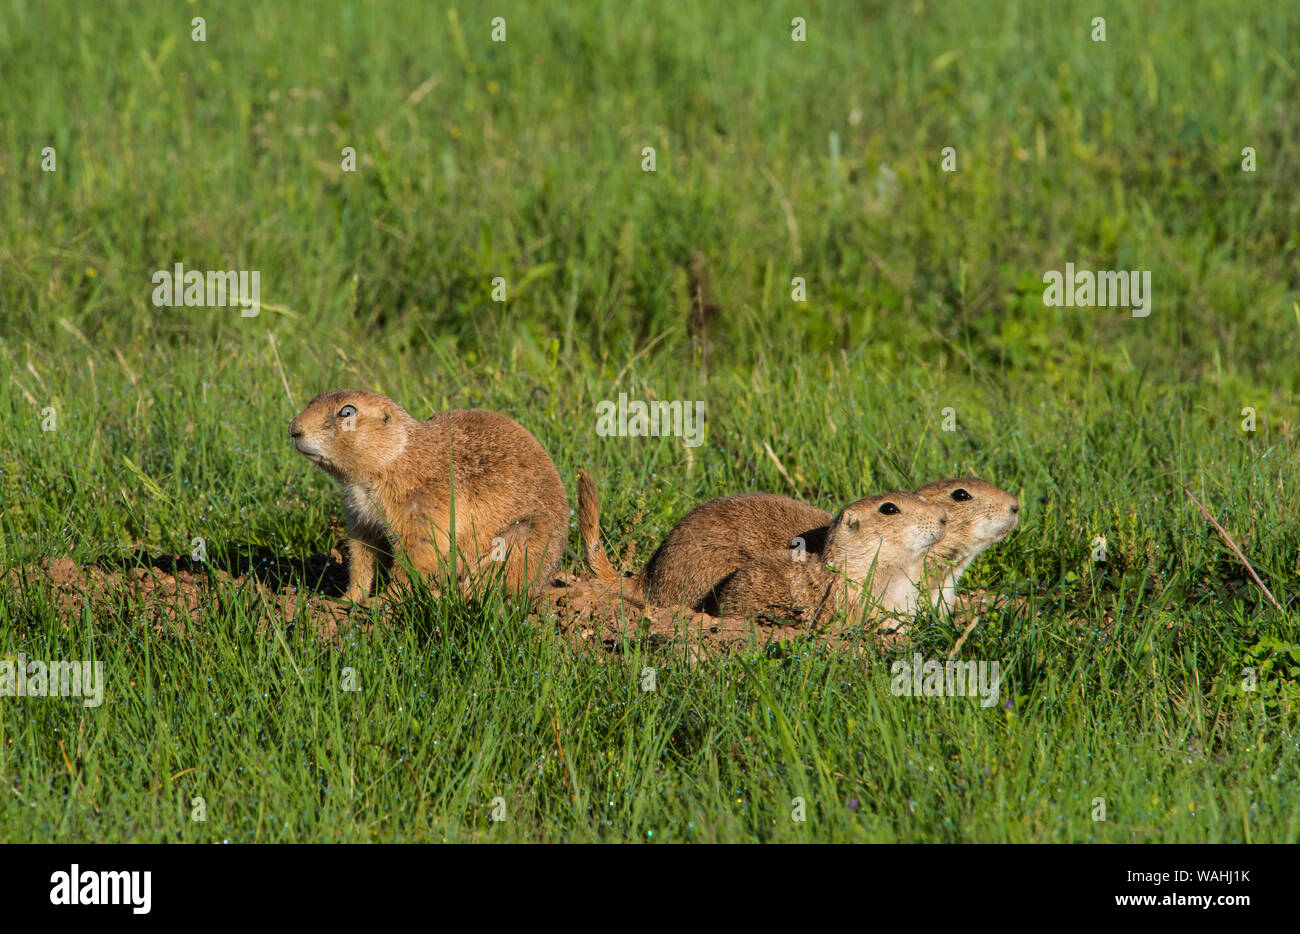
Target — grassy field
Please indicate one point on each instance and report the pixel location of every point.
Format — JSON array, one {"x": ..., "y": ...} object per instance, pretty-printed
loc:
[{"x": 775, "y": 159}]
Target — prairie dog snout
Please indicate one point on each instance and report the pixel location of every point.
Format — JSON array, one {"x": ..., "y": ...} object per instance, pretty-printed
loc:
[{"x": 979, "y": 515}]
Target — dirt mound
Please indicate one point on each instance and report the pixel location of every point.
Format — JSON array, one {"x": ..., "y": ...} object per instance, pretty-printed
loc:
[
  {"x": 165, "y": 592},
  {"x": 590, "y": 612}
]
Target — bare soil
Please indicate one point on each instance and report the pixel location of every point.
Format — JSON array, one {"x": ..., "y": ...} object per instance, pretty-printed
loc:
[{"x": 165, "y": 593}]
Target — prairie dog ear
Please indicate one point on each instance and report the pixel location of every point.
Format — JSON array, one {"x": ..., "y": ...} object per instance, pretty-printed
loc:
[
  {"x": 388, "y": 414},
  {"x": 852, "y": 522}
]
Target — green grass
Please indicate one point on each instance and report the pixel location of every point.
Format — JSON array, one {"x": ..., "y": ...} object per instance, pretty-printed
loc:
[{"x": 775, "y": 159}]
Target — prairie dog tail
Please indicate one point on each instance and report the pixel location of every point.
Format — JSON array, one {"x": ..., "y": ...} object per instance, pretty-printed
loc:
[{"x": 593, "y": 552}]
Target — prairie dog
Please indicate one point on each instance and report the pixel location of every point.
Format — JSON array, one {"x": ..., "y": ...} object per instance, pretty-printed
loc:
[
  {"x": 979, "y": 515},
  {"x": 874, "y": 553},
  {"x": 398, "y": 475},
  {"x": 710, "y": 542}
]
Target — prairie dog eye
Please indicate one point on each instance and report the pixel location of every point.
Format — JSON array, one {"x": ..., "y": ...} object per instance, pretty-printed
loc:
[
  {"x": 347, "y": 411},
  {"x": 961, "y": 495},
  {"x": 889, "y": 509}
]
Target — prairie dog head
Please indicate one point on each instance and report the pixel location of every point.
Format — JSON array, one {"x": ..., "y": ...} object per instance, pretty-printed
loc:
[
  {"x": 979, "y": 515},
  {"x": 886, "y": 532},
  {"x": 351, "y": 434}
]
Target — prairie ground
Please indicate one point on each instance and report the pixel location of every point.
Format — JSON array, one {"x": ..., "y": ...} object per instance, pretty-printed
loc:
[{"x": 854, "y": 316}]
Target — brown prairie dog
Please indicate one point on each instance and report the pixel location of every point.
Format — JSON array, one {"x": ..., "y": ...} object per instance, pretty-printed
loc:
[
  {"x": 710, "y": 542},
  {"x": 874, "y": 554},
  {"x": 979, "y": 515},
  {"x": 398, "y": 474}
]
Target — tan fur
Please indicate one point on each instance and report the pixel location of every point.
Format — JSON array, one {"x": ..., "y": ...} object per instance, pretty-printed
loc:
[
  {"x": 710, "y": 542},
  {"x": 398, "y": 475},
  {"x": 593, "y": 552},
  {"x": 973, "y": 525},
  {"x": 718, "y": 537},
  {"x": 871, "y": 560}
]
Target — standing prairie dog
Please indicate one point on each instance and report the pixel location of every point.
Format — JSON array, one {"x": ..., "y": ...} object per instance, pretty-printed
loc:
[
  {"x": 711, "y": 541},
  {"x": 874, "y": 556},
  {"x": 398, "y": 474},
  {"x": 979, "y": 515}
]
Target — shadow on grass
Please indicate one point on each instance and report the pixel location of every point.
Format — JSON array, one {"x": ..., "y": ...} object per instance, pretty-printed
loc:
[{"x": 320, "y": 574}]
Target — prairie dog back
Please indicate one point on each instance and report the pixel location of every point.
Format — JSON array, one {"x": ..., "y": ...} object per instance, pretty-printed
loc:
[
  {"x": 722, "y": 535},
  {"x": 710, "y": 542}
]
